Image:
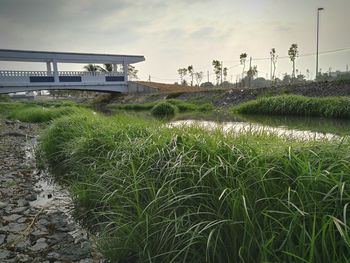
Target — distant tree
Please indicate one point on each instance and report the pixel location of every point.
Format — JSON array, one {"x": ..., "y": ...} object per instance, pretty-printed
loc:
[
  {"x": 251, "y": 73},
  {"x": 243, "y": 59},
  {"x": 132, "y": 72},
  {"x": 308, "y": 74},
  {"x": 300, "y": 78},
  {"x": 199, "y": 77},
  {"x": 182, "y": 73},
  {"x": 92, "y": 68},
  {"x": 274, "y": 58},
  {"x": 191, "y": 73},
  {"x": 217, "y": 70},
  {"x": 207, "y": 85},
  {"x": 293, "y": 54},
  {"x": 225, "y": 73},
  {"x": 107, "y": 68},
  {"x": 286, "y": 79}
]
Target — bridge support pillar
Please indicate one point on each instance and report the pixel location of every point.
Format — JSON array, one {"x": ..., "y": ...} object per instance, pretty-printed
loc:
[
  {"x": 48, "y": 67},
  {"x": 125, "y": 71},
  {"x": 55, "y": 71}
]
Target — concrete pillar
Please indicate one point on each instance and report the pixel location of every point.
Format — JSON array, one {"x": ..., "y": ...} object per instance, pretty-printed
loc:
[
  {"x": 115, "y": 68},
  {"x": 125, "y": 71},
  {"x": 55, "y": 71},
  {"x": 48, "y": 68}
]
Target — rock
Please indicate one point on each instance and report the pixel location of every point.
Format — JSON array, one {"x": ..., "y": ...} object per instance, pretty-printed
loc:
[
  {"x": 38, "y": 233},
  {"x": 2, "y": 239},
  {"x": 22, "y": 220},
  {"x": 53, "y": 255},
  {"x": 2, "y": 205},
  {"x": 31, "y": 197},
  {"x": 23, "y": 258},
  {"x": 39, "y": 245},
  {"x": 22, "y": 246},
  {"x": 12, "y": 217},
  {"x": 22, "y": 202},
  {"x": 59, "y": 237},
  {"x": 13, "y": 237},
  {"x": 19, "y": 210},
  {"x": 15, "y": 227},
  {"x": 4, "y": 254}
]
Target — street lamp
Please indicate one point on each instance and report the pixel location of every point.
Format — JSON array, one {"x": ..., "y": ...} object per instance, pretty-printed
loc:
[{"x": 318, "y": 29}]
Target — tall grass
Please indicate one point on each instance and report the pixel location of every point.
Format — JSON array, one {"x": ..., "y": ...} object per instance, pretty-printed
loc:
[
  {"x": 183, "y": 106},
  {"x": 337, "y": 107},
  {"x": 37, "y": 114},
  {"x": 160, "y": 194}
]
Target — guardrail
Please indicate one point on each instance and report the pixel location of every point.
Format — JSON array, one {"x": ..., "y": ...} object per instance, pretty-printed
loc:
[{"x": 17, "y": 73}]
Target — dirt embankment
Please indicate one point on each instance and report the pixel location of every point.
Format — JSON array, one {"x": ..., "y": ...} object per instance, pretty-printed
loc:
[{"x": 236, "y": 96}]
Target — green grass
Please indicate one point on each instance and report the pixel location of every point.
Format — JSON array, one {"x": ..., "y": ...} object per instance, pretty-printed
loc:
[
  {"x": 37, "y": 112},
  {"x": 332, "y": 107},
  {"x": 183, "y": 106},
  {"x": 159, "y": 194},
  {"x": 164, "y": 110}
]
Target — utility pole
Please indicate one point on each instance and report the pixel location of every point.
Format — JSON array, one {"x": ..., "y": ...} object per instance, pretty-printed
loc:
[
  {"x": 317, "y": 40},
  {"x": 250, "y": 71},
  {"x": 222, "y": 65}
]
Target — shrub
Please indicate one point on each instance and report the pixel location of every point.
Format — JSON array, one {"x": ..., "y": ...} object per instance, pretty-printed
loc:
[
  {"x": 164, "y": 110},
  {"x": 337, "y": 107}
]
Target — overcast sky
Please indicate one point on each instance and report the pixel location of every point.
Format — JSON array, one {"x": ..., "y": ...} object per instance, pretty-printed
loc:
[{"x": 174, "y": 34}]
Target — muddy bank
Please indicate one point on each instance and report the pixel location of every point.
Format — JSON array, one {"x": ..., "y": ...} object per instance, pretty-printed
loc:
[
  {"x": 233, "y": 97},
  {"x": 35, "y": 225}
]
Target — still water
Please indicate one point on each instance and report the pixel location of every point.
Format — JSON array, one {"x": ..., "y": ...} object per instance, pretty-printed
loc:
[{"x": 291, "y": 126}]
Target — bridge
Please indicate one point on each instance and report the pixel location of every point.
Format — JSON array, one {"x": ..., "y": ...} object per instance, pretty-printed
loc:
[{"x": 115, "y": 80}]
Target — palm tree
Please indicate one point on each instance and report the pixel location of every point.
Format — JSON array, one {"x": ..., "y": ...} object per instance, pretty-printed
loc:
[{"x": 92, "y": 68}]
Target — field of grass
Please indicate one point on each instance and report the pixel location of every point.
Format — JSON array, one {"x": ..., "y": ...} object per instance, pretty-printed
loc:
[
  {"x": 37, "y": 111},
  {"x": 183, "y": 106},
  {"x": 333, "y": 107},
  {"x": 159, "y": 194}
]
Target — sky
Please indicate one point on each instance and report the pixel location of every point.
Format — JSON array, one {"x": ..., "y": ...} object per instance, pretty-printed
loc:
[{"x": 176, "y": 34}]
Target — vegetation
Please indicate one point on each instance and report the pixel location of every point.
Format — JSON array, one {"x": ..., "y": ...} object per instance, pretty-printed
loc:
[
  {"x": 159, "y": 194},
  {"x": 38, "y": 111},
  {"x": 336, "y": 107},
  {"x": 164, "y": 110},
  {"x": 183, "y": 106}
]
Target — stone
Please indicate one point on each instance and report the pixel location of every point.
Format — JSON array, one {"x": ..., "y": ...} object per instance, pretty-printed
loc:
[
  {"x": 22, "y": 220},
  {"x": 39, "y": 245},
  {"x": 23, "y": 258},
  {"x": 31, "y": 197},
  {"x": 22, "y": 246},
  {"x": 38, "y": 233},
  {"x": 2, "y": 205},
  {"x": 13, "y": 237},
  {"x": 19, "y": 210},
  {"x": 22, "y": 202},
  {"x": 53, "y": 255},
  {"x": 12, "y": 217},
  {"x": 15, "y": 227},
  {"x": 4, "y": 254},
  {"x": 2, "y": 239}
]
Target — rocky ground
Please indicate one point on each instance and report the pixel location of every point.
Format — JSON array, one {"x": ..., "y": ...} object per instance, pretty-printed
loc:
[{"x": 35, "y": 225}]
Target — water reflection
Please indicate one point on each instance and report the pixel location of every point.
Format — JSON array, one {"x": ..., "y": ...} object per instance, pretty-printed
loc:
[
  {"x": 246, "y": 127},
  {"x": 324, "y": 126}
]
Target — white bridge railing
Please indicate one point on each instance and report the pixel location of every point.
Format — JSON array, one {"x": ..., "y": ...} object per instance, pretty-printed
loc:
[{"x": 16, "y": 73}]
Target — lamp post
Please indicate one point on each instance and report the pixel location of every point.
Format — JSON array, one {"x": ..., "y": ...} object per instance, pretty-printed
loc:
[{"x": 318, "y": 29}]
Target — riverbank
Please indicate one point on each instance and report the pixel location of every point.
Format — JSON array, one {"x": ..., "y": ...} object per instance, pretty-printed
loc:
[
  {"x": 35, "y": 225},
  {"x": 191, "y": 195}
]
